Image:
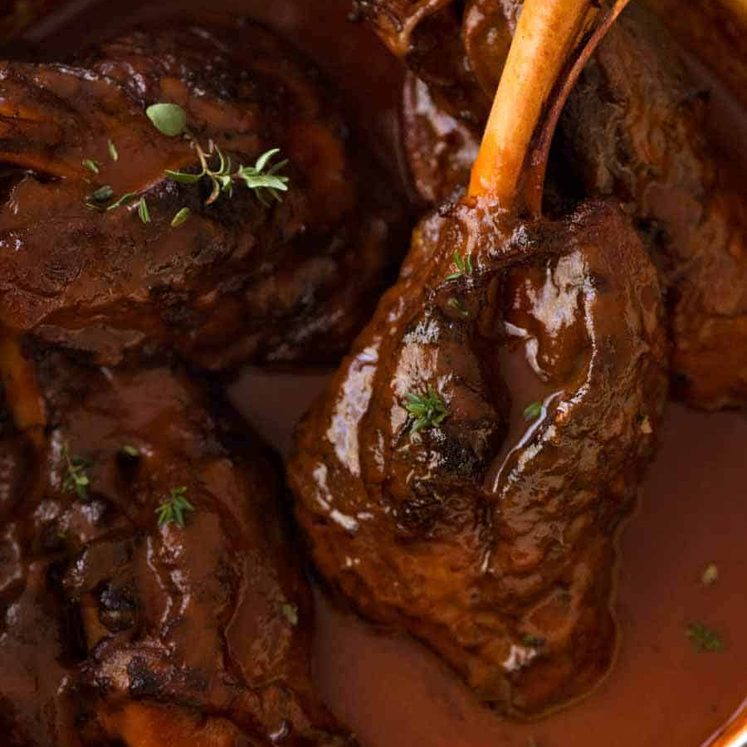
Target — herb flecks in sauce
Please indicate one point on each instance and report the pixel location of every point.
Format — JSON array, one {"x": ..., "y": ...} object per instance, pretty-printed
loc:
[
  {"x": 425, "y": 410},
  {"x": 76, "y": 478},
  {"x": 143, "y": 211},
  {"x": 181, "y": 217},
  {"x": 91, "y": 165},
  {"x": 533, "y": 411},
  {"x": 456, "y": 304},
  {"x": 705, "y": 640},
  {"x": 290, "y": 612},
  {"x": 463, "y": 266},
  {"x": 173, "y": 509}
]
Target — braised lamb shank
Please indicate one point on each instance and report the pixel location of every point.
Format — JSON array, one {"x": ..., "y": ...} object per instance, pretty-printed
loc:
[
  {"x": 149, "y": 593},
  {"x": 635, "y": 128},
  {"x": 244, "y": 278},
  {"x": 435, "y": 495}
]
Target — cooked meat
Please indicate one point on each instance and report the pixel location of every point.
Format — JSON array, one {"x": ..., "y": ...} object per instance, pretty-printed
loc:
[
  {"x": 435, "y": 494},
  {"x": 490, "y": 538},
  {"x": 122, "y": 624},
  {"x": 240, "y": 280},
  {"x": 688, "y": 204},
  {"x": 634, "y": 129}
]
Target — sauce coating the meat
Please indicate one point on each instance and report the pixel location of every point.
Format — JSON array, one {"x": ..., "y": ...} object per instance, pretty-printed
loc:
[
  {"x": 636, "y": 128},
  {"x": 396, "y": 695},
  {"x": 117, "y": 624},
  {"x": 240, "y": 280},
  {"x": 499, "y": 559}
]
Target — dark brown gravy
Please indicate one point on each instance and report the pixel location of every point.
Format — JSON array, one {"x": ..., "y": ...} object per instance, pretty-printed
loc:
[{"x": 392, "y": 692}]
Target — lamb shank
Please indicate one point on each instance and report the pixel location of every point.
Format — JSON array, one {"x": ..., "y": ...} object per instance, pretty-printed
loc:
[
  {"x": 635, "y": 128},
  {"x": 91, "y": 258},
  {"x": 150, "y": 596},
  {"x": 464, "y": 475}
]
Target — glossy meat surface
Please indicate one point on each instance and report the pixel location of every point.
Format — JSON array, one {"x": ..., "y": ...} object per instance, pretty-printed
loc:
[
  {"x": 116, "y": 629},
  {"x": 635, "y": 128},
  {"x": 238, "y": 281},
  {"x": 485, "y": 532}
]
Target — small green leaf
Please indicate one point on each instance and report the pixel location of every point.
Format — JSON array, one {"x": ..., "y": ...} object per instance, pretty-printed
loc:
[
  {"x": 102, "y": 194},
  {"x": 91, "y": 165},
  {"x": 113, "y": 152},
  {"x": 142, "y": 211},
  {"x": 425, "y": 410},
  {"x": 181, "y": 217},
  {"x": 705, "y": 640},
  {"x": 172, "y": 510},
  {"x": 463, "y": 266},
  {"x": 129, "y": 450},
  {"x": 261, "y": 162},
  {"x": 456, "y": 304},
  {"x": 168, "y": 119},
  {"x": 76, "y": 478},
  {"x": 125, "y": 199},
  {"x": 533, "y": 411},
  {"x": 290, "y": 612},
  {"x": 183, "y": 177}
]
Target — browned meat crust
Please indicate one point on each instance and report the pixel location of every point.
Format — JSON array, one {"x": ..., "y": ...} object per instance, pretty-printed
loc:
[
  {"x": 634, "y": 129},
  {"x": 114, "y": 627},
  {"x": 239, "y": 281},
  {"x": 490, "y": 538}
]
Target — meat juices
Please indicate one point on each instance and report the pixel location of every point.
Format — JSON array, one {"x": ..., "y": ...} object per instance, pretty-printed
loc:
[
  {"x": 238, "y": 281},
  {"x": 115, "y": 627},
  {"x": 634, "y": 129}
]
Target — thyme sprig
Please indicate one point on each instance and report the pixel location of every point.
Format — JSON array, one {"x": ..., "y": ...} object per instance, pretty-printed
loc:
[
  {"x": 463, "y": 264},
  {"x": 533, "y": 411},
  {"x": 172, "y": 510},
  {"x": 76, "y": 478},
  {"x": 215, "y": 166},
  {"x": 425, "y": 410}
]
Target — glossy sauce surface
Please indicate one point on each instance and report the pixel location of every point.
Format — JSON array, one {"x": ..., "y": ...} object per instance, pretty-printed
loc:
[{"x": 392, "y": 692}]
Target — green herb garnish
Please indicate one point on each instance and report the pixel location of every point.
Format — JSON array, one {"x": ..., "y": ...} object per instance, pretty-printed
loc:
[
  {"x": 533, "y": 411},
  {"x": 102, "y": 194},
  {"x": 168, "y": 119},
  {"x": 290, "y": 612},
  {"x": 181, "y": 217},
  {"x": 463, "y": 266},
  {"x": 91, "y": 165},
  {"x": 172, "y": 510},
  {"x": 129, "y": 450},
  {"x": 425, "y": 410},
  {"x": 126, "y": 199},
  {"x": 76, "y": 478},
  {"x": 705, "y": 639},
  {"x": 142, "y": 211},
  {"x": 113, "y": 152},
  {"x": 458, "y": 305},
  {"x": 263, "y": 178}
]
